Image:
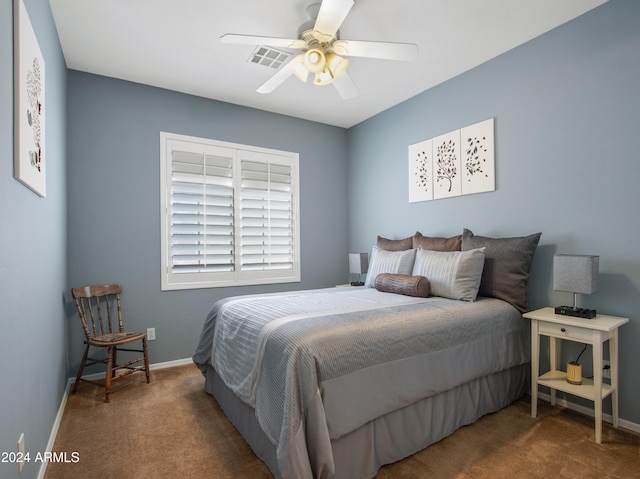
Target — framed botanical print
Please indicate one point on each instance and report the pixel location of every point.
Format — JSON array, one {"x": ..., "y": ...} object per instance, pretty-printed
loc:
[
  {"x": 29, "y": 104},
  {"x": 461, "y": 162}
]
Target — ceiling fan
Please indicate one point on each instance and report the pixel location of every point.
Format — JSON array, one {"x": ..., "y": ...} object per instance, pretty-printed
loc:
[{"x": 323, "y": 51}]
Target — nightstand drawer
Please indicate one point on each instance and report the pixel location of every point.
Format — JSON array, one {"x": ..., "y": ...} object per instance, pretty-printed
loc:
[{"x": 567, "y": 332}]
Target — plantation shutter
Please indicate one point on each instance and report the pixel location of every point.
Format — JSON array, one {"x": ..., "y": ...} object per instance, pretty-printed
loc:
[
  {"x": 202, "y": 219},
  {"x": 230, "y": 214},
  {"x": 266, "y": 229}
]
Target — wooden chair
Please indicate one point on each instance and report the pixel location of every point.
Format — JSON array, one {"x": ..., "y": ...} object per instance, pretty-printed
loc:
[{"x": 99, "y": 308}]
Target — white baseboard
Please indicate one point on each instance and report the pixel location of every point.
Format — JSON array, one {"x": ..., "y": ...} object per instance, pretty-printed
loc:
[
  {"x": 65, "y": 396},
  {"x": 153, "y": 367},
  {"x": 171, "y": 364},
  {"x": 54, "y": 430},
  {"x": 631, "y": 426}
]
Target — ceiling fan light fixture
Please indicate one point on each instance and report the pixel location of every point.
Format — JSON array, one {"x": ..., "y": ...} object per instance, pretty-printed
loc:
[
  {"x": 298, "y": 68},
  {"x": 314, "y": 60},
  {"x": 336, "y": 64},
  {"x": 321, "y": 50},
  {"x": 323, "y": 77}
]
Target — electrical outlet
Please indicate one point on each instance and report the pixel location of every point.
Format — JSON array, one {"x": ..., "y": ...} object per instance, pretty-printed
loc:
[
  {"x": 151, "y": 334},
  {"x": 606, "y": 369},
  {"x": 20, "y": 453}
]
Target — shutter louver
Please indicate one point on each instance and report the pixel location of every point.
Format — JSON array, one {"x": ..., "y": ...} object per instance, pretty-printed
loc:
[
  {"x": 267, "y": 229},
  {"x": 202, "y": 229}
]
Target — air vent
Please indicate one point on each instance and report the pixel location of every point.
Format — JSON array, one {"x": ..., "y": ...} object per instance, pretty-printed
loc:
[{"x": 268, "y": 57}]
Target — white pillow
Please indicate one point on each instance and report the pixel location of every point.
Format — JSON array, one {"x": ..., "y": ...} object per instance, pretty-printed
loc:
[
  {"x": 394, "y": 262},
  {"x": 452, "y": 274}
]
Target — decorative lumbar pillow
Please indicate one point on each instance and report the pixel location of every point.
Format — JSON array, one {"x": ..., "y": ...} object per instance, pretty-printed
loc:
[
  {"x": 395, "y": 245},
  {"x": 506, "y": 266},
  {"x": 452, "y": 274},
  {"x": 437, "y": 244},
  {"x": 403, "y": 284},
  {"x": 395, "y": 262}
]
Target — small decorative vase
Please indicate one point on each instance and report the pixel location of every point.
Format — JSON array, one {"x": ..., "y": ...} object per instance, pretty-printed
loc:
[{"x": 574, "y": 373}]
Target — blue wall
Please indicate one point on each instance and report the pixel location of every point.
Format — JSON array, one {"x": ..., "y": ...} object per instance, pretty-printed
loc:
[
  {"x": 114, "y": 199},
  {"x": 33, "y": 245},
  {"x": 567, "y": 117},
  {"x": 567, "y": 112}
]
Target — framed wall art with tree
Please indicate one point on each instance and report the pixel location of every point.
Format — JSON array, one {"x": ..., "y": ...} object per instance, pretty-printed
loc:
[
  {"x": 29, "y": 104},
  {"x": 461, "y": 162}
]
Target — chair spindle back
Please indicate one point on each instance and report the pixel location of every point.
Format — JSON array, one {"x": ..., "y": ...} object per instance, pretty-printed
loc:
[{"x": 99, "y": 309}]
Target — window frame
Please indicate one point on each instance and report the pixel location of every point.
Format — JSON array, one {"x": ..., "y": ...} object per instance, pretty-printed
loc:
[{"x": 172, "y": 280}]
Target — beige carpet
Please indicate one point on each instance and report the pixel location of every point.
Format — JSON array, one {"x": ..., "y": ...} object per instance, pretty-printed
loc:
[{"x": 172, "y": 429}]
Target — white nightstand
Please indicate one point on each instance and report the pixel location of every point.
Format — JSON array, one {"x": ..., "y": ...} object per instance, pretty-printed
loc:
[{"x": 544, "y": 322}]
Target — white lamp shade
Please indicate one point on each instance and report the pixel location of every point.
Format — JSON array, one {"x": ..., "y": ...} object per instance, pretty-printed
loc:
[
  {"x": 575, "y": 273},
  {"x": 358, "y": 263},
  {"x": 298, "y": 68},
  {"x": 336, "y": 64},
  {"x": 314, "y": 60}
]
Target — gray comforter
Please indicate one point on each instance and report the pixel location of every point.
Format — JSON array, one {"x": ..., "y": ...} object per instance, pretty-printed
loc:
[{"x": 316, "y": 365}]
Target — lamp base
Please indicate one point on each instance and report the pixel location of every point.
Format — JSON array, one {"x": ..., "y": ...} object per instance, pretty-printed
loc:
[
  {"x": 577, "y": 312},
  {"x": 574, "y": 373}
]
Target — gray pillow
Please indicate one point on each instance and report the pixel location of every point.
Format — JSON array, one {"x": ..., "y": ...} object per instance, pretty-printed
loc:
[
  {"x": 395, "y": 262},
  {"x": 506, "y": 266},
  {"x": 451, "y": 274}
]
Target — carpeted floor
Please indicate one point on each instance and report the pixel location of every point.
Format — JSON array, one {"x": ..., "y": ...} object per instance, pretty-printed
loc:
[{"x": 172, "y": 429}]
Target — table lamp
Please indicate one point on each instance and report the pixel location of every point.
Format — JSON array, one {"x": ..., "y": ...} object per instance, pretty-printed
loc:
[
  {"x": 358, "y": 265},
  {"x": 577, "y": 274}
]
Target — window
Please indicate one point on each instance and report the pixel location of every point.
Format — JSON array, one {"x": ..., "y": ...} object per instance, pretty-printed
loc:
[{"x": 230, "y": 214}]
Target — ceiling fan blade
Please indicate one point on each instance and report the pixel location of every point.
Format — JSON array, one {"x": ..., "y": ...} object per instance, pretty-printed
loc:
[
  {"x": 345, "y": 86},
  {"x": 277, "y": 79},
  {"x": 331, "y": 15},
  {"x": 257, "y": 40},
  {"x": 384, "y": 50}
]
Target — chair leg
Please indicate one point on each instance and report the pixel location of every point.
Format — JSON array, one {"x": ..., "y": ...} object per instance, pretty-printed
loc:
[
  {"x": 114, "y": 362},
  {"x": 74, "y": 389},
  {"x": 107, "y": 379},
  {"x": 146, "y": 359}
]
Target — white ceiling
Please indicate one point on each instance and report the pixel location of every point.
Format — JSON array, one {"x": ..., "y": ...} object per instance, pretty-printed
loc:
[{"x": 175, "y": 45}]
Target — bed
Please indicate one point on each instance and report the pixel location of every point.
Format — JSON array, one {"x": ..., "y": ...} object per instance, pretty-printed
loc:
[{"x": 336, "y": 382}]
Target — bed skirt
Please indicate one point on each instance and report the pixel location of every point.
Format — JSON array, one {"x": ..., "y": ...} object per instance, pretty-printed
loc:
[{"x": 394, "y": 436}]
